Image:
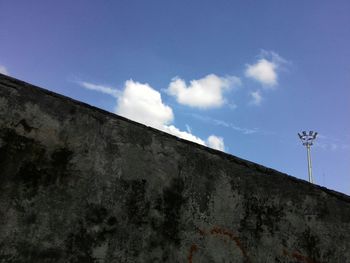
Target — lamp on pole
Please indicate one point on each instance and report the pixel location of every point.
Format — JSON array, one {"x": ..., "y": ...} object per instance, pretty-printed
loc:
[{"x": 307, "y": 140}]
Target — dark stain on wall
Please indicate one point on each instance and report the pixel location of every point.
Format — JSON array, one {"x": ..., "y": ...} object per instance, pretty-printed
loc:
[
  {"x": 136, "y": 204},
  {"x": 28, "y": 252},
  {"x": 25, "y": 125},
  {"x": 261, "y": 215},
  {"x": 172, "y": 204}
]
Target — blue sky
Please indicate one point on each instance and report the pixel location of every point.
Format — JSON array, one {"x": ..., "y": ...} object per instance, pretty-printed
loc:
[{"x": 241, "y": 76}]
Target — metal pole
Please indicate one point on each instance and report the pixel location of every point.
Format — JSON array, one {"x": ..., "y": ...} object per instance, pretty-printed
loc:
[
  {"x": 309, "y": 163},
  {"x": 307, "y": 139}
]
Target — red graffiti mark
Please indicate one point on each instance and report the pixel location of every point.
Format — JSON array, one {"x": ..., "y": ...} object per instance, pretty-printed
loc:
[
  {"x": 303, "y": 258},
  {"x": 299, "y": 257},
  {"x": 232, "y": 237},
  {"x": 222, "y": 232},
  {"x": 193, "y": 249}
]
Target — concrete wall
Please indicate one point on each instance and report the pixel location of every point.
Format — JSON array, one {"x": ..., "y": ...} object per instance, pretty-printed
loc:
[{"x": 78, "y": 184}]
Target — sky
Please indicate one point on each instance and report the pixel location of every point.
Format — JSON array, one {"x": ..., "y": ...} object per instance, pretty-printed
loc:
[{"x": 243, "y": 77}]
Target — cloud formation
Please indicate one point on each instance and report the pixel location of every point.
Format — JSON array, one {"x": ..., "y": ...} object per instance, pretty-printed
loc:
[
  {"x": 225, "y": 124},
  {"x": 3, "y": 70},
  {"x": 256, "y": 98},
  {"x": 182, "y": 134},
  {"x": 331, "y": 143},
  {"x": 203, "y": 93},
  {"x": 141, "y": 103},
  {"x": 265, "y": 69},
  {"x": 101, "y": 88},
  {"x": 216, "y": 143}
]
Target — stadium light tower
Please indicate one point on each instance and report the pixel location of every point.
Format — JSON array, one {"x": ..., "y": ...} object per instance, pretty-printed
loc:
[{"x": 307, "y": 139}]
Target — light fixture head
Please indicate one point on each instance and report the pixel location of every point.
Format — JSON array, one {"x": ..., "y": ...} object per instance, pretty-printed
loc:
[{"x": 307, "y": 138}]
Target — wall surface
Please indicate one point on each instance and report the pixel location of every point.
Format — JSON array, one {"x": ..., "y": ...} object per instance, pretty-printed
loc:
[{"x": 78, "y": 184}]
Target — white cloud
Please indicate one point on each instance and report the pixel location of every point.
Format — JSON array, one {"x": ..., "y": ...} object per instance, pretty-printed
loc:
[
  {"x": 256, "y": 98},
  {"x": 182, "y": 134},
  {"x": 225, "y": 124},
  {"x": 3, "y": 70},
  {"x": 101, "y": 88},
  {"x": 273, "y": 56},
  {"x": 142, "y": 103},
  {"x": 265, "y": 69},
  {"x": 329, "y": 143},
  {"x": 216, "y": 143},
  {"x": 203, "y": 93}
]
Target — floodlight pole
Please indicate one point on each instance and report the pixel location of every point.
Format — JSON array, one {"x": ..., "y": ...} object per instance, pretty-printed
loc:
[
  {"x": 311, "y": 180},
  {"x": 307, "y": 140}
]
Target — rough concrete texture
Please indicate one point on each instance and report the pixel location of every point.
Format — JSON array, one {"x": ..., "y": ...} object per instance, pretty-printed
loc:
[{"x": 78, "y": 184}]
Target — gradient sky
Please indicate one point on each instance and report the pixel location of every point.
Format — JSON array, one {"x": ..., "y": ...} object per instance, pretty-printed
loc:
[{"x": 243, "y": 75}]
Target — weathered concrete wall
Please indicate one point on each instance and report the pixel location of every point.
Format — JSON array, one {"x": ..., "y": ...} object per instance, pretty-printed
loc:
[{"x": 78, "y": 184}]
